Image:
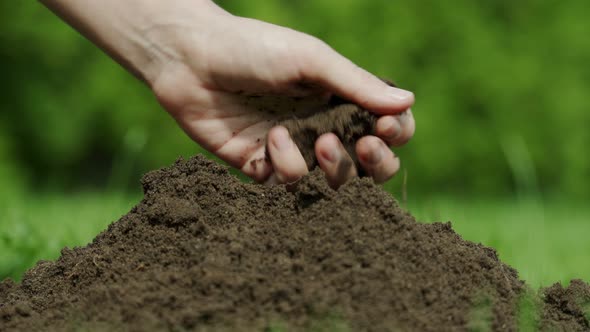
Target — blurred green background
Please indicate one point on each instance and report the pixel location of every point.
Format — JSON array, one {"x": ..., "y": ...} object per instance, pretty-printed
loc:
[{"x": 501, "y": 113}]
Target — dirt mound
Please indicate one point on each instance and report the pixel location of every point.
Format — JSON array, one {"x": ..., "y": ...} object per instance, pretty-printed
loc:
[{"x": 204, "y": 252}]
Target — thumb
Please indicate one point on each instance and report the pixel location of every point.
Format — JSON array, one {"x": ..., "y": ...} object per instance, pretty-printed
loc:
[{"x": 340, "y": 76}]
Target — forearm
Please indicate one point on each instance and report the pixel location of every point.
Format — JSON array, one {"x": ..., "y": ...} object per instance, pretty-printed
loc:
[{"x": 133, "y": 32}]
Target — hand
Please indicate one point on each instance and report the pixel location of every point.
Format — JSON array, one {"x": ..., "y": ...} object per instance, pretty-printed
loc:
[
  {"x": 228, "y": 89},
  {"x": 226, "y": 80}
]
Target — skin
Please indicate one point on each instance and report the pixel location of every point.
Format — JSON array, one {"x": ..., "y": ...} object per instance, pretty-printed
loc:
[{"x": 219, "y": 76}]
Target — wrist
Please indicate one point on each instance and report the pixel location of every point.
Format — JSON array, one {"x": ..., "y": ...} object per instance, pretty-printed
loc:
[
  {"x": 169, "y": 31},
  {"x": 144, "y": 36}
]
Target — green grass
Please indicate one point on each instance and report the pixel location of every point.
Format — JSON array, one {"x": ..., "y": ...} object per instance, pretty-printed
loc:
[
  {"x": 547, "y": 242},
  {"x": 34, "y": 227}
]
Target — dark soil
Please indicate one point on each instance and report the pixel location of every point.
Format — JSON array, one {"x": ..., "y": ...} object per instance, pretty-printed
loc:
[
  {"x": 347, "y": 121},
  {"x": 203, "y": 251},
  {"x": 567, "y": 309}
]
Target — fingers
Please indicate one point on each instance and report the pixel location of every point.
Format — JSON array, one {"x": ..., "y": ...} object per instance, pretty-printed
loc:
[
  {"x": 287, "y": 162},
  {"x": 376, "y": 158},
  {"x": 334, "y": 160},
  {"x": 258, "y": 167},
  {"x": 396, "y": 130},
  {"x": 342, "y": 77},
  {"x": 289, "y": 166}
]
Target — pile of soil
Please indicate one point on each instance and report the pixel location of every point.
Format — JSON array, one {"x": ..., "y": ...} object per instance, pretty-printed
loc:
[{"x": 203, "y": 251}]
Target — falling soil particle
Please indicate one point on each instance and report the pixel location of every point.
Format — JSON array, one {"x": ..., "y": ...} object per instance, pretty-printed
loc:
[{"x": 204, "y": 252}]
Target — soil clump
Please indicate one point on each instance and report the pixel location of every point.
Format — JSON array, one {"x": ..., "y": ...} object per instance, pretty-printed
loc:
[
  {"x": 204, "y": 252},
  {"x": 348, "y": 121}
]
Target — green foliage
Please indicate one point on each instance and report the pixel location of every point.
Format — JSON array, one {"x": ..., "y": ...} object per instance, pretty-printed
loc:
[
  {"x": 329, "y": 323},
  {"x": 73, "y": 115},
  {"x": 529, "y": 309},
  {"x": 37, "y": 228},
  {"x": 481, "y": 315},
  {"x": 586, "y": 308},
  {"x": 490, "y": 77}
]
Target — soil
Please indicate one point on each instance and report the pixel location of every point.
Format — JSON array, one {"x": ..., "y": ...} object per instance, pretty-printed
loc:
[
  {"x": 348, "y": 121},
  {"x": 204, "y": 252},
  {"x": 567, "y": 309}
]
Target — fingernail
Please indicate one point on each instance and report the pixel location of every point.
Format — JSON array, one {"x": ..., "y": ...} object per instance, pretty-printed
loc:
[
  {"x": 375, "y": 156},
  {"x": 395, "y": 128},
  {"x": 401, "y": 119},
  {"x": 400, "y": 94},
  {"x": 331, "y": 155},
  {"x": 282, "y": 141}
]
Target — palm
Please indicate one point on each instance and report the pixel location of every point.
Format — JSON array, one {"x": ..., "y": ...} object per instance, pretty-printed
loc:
[{"x": 234, "y": 125}]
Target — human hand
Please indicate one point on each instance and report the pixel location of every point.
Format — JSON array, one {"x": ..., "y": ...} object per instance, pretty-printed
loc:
[
  {"x": 228, "y": 89},
  {"x": 227, "y": 80}
]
